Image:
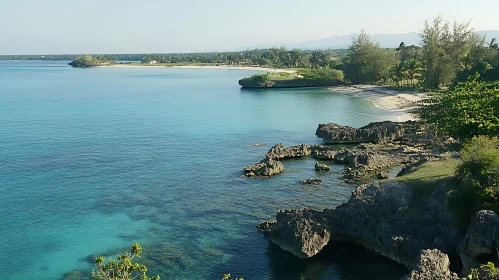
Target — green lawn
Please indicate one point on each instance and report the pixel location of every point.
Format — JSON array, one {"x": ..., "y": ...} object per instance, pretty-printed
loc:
[{"x": 427, "y": 177}]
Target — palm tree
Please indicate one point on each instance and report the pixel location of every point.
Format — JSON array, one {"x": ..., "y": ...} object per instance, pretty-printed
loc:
[
  {"x": 398, "y": 72},
  {"x": 413, "y": 69}
]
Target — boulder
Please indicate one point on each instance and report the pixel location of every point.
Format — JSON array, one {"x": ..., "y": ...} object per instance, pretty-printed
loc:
[
  {"x": 311, "y": 181},
  {"x": 301, "y": 232},
  {"x": 480, "y": 241},
  {"x": 280, "y": 151},
  {"x": 382, "y": 175},
  {"x": 431, "y": 265},
  {"x": 265, "y": 168},
  {"x": 322, "y": 167},
  {"x": 372, "y": 133}
]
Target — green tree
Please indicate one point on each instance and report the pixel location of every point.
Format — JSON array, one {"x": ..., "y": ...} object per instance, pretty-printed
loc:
[
  {"x": 319, "y": 59},
  {"x": 444, "y": 49},
  {"x": 367, "y": 62},
  {"x": 122, "y": 269}
]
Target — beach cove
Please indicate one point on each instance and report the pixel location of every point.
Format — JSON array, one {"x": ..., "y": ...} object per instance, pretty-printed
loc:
[{"x": 97, "y": 159}]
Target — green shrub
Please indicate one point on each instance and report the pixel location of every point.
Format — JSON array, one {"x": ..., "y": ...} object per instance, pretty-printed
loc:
[
  {"x": 260, "y": 78},
  {"x": 471, "y": 109},
  {"x": 478, "y": 174},
  {"x": 322, "y": 74}
]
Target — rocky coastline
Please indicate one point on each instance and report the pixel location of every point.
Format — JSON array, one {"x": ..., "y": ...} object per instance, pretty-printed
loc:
[{"x": 386, "y": 217}]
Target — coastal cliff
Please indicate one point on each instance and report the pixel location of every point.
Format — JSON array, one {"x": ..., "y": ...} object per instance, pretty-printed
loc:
[
  {"x": 405, "y": 221},
  {"x": 246, "y": 83}
]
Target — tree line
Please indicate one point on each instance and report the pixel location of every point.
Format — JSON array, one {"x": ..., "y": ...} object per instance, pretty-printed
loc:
[{"x": 449, "y": 53}]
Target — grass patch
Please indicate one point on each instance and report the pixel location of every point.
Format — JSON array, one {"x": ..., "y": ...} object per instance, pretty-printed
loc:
[{"x": 430, "y": 175}]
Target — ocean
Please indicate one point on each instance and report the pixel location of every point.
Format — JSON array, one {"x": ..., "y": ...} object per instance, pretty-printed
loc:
[{"x": 94, "y": 160}]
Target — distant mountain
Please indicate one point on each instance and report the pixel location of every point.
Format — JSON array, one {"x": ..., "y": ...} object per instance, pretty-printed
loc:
[{"x": 385, "y": 41}]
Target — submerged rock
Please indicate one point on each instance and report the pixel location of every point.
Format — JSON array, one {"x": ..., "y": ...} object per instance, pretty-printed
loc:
[
  {"x": 322, "y": 167},
  {"x": 280, "y": 151},
  {"x": 431, "y": 265},
  {"x": 372, "y": 133},
  {"x": 311, "y": 181},
  {"x": 267, "y": 167}
]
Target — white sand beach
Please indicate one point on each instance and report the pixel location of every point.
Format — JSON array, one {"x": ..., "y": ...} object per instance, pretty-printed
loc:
[
  {"x": 399, "y": 103},
  {"x": 249, "y": 68}
]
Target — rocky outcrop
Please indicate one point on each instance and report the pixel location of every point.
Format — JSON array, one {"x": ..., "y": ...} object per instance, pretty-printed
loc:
[
  {"x": 322, "y": 152},
  {"x": 280, "y": 151},
  {"x": 311, "y": 181},
  {"x": 382, "y": 175},
  {"x": 431, "y": 265},
  {"x": 322, "y": 167},
  {"x": 376, "y": 217},
  {"x": 481, "y": 240},
  {"x": 376, "y": 132},
  {"x": 265, "y": 168},
  {"x": 301, "y": 232},
  {"x": 363, "y": 163}
]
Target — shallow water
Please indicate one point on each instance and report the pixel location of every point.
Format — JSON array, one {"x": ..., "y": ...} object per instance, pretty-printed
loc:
[{"x": 93, "y": 160}]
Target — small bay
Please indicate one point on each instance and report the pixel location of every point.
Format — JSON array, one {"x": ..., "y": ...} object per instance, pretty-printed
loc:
[{"x": 93, "y": 160}]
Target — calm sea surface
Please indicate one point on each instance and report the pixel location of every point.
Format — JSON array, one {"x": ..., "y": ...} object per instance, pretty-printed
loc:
[{"x": 93, "y": 160}]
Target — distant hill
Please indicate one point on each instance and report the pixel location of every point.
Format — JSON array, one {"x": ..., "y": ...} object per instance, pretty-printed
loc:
[{"x": 385, "y": 40}]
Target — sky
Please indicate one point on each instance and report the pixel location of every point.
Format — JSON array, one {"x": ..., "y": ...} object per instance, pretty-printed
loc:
[{"x": 160, "y": 26}]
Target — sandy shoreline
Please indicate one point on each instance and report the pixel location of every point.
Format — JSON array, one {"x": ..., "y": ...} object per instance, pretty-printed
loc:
[
  {"x": 248, "y": 68},
  {"x": 399, "y": 103}
]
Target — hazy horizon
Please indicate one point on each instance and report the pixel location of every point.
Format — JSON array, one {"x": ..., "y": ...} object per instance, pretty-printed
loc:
[{"x": 64, "y": 27}]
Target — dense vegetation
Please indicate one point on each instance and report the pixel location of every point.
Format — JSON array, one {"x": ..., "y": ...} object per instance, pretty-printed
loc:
[
  {"x": 86, "y": 61},
  {"x": 316, "y": 75},
  {"x": 448, "y": 54},
  {"x": 276, "y": 57},
  {"x": 468, "y": 110}
]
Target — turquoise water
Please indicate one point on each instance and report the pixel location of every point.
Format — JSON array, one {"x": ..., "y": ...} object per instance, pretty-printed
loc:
[{"x": 93, "y": 160}]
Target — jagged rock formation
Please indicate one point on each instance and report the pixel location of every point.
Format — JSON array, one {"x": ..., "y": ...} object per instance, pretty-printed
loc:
[
  {"x": 481, "y": 240},
  {"x": 376, "y": 132},
  {"x": 265, "y": 168},
  {"x": 302, "y": 232},
  {"x": 322, "y": 167},
  {"x": 376, "y": 217},
  {"x": 280, "y": 151},
  {"x": 323, "y": 152},
  {"x": 431, "y": 265}
]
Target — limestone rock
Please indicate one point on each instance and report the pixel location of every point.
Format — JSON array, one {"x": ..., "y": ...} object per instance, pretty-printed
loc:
[
  {"x": 280, "y": 151},
  {"x": 372, "y": 133},
  {"x": 301, "y": 232},
  {"x": 480, "y": 240},
  {"x": 375, "y": 217},
  {"x": 431, "y": 265},
  {"x": 267, "y": 167},
  {"x": 322, "y": 167},
  {"x": 323, "y": 152},
  {"x": 382, "y": 175}
]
